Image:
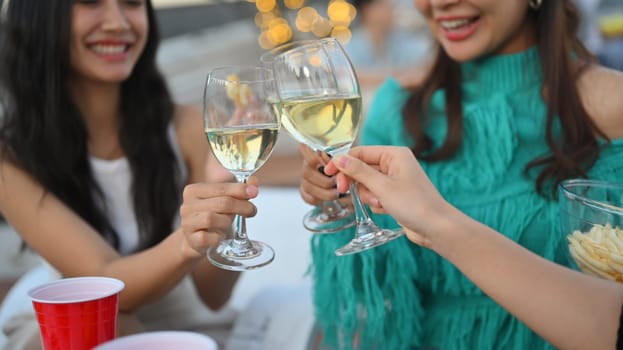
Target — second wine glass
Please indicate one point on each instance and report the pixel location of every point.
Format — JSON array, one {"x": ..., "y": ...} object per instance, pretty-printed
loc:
[
  {"x": 242, "y": 130},
  {"x": 321, "y": 101},
  {"x": 330, "y": 216}
]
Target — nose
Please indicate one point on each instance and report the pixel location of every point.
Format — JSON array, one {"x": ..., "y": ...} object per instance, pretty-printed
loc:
[{"x": 114, "y": 18}]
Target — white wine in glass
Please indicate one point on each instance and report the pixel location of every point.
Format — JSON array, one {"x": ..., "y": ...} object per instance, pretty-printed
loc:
[
  {"x": 242, "y": 128},
  {"x": 326, "y": 123},
  {"x": 321, "y": 101},
  {"x": 243, "y": 149}
]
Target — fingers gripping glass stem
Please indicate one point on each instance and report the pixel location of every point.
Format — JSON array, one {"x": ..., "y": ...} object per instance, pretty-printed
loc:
[{"x": 229, "y": 252}]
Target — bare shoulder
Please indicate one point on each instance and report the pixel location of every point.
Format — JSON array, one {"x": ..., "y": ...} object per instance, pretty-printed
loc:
[
  {"x": 188, "y": 121},
  {"x": 189, "y": 129},
  {"x": 601, "y": 90}
]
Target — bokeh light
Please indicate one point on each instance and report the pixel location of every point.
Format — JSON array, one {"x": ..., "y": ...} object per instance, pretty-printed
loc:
[
  {"x": 265, "y": 5},
  {"x": 294, "y": 4},
  {"x": 262, "y": 19},
  {"x": 275, "y": 29},
  {"x": 321, "y": 27},
  {"x": 315, "y": 60},
  {"x": 304, "y": 18},
  {"x": 279, "y": 31},
  {"x": 264, "y": 41},
  {"x": 341, "y": 12},
  {"x": 341, "y": 33}
]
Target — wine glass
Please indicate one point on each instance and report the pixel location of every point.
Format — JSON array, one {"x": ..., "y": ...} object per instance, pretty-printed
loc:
[
  {"x": 321, "y": 102},
  {"x": 591, "y": 213},
  {"x": 241, "y": 128},
  {"x": 330, "y": 216}
]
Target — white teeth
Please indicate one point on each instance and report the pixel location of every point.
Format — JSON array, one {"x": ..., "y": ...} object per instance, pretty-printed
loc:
[
  {"x": 108, "y": 49},
  {"x": 454, "y": 24}
]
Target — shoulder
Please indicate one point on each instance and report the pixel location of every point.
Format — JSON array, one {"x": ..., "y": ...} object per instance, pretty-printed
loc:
[
  {"x": 188, "y": 124},
  {"x": 601, "y": 90},
  {"x": 387, "y": 98},
  {"x": 391, "y": 89},
  {"x": 187, "y": 119},
  {"x": 384, "y": 115}
]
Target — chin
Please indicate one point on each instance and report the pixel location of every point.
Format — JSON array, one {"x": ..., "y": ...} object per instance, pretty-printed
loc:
[
  {"x": 113, "y": 77},
  {"x": 462, "y": 53}
]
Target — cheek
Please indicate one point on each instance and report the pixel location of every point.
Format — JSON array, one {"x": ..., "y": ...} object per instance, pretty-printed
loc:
[
  {"x": 423, "y": 7},
  {"x": 142, "y": 28},
  {"x": 138, "y": 21},
  {"x": 75, "y": 52}
]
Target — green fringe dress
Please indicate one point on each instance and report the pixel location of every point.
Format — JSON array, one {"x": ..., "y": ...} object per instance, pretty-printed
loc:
[{"x": 402, "y": 296}]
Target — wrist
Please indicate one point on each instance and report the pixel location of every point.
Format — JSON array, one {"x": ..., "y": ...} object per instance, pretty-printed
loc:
[
  {"x": 186, "y": 252},
  {"x": 449, "y": 228}
]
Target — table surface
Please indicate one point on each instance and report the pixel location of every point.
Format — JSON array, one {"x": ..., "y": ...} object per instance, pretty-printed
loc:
[{"x": 277, "y": 223}]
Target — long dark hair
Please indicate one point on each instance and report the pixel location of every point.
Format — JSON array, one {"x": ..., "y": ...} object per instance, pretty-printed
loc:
[
  {"x": 563, "y": 59},
  {"x": 43, "y": 132}
]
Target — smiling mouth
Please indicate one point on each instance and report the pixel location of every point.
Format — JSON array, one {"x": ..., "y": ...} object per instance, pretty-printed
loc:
[
  {"x": 457, "y": 24},
  {"x": 108, "y": 49}
]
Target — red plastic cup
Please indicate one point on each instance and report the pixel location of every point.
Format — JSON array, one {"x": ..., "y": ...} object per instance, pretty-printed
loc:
[{"x": 77, "y": 313}]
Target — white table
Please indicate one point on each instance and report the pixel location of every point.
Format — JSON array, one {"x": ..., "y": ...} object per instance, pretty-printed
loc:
[{"x": 277, "y": 223}]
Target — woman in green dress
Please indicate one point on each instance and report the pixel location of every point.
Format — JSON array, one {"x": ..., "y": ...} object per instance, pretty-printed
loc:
[{"x": 512, "y": 105}]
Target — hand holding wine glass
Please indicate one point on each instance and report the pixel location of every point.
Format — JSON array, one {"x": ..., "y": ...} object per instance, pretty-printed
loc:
[{"x": 242, "y": 129}]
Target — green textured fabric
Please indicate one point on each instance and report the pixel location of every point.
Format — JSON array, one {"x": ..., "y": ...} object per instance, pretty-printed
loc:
[{"x": 401, "y": 296}]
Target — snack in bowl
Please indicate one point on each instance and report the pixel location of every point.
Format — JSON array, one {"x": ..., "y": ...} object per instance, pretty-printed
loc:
[
  {"x": 599, "y": 251},
  {"x": 591, "y": 215}
]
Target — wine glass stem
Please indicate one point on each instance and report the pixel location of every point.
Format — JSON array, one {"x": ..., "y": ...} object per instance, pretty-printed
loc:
[
  {"x": 240, "y": 231},
  {"x": 365, "y": 225}
]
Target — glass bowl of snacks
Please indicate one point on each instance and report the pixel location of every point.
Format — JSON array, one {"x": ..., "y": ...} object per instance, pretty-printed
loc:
[{"x": 592, "y": 217}]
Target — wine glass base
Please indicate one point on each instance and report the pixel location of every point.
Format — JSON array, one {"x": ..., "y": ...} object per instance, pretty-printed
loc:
[
  {"x": 229, "y": 256},
  {"x": 319, "y": 222},
  {"x": 369, "y": 241}
]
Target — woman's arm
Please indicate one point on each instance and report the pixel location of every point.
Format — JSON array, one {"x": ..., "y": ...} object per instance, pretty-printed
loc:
[
  {"x": 566, "y": 307},
  {"x": 73, "y": 247}
]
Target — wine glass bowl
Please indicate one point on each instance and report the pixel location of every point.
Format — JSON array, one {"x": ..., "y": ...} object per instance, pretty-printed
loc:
[
  {"x": 242, "y": 128},
  {"x": 591, "y": 214}
]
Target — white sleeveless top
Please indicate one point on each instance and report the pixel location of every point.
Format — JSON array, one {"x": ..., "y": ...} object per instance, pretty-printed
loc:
[{"x": 114, "y": 178}]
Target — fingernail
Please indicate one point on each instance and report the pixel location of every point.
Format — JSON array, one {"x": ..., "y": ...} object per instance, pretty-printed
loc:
[
  {"x": 343, "y": 161},
  {"x": 252, "y": 191},
  {"x": 321, "y": 170}
]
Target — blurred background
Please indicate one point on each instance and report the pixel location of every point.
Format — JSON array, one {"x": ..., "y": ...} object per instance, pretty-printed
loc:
[{"x": 381, "y": 37}]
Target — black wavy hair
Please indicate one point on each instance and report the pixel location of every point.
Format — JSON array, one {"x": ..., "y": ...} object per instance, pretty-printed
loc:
[{"x": 43, "y": 132}]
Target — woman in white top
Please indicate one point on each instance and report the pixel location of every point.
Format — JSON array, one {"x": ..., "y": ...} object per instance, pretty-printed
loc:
[{"x": 94, "y": 159}]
